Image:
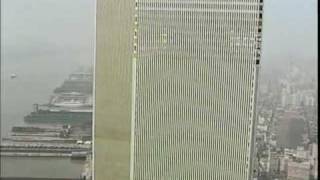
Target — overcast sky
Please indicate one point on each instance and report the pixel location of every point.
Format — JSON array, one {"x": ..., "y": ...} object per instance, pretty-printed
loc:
[
  {"x": 54, "y": 28},
  {"x": 47, "y": 28},
  {"x": 289, "y": 32}
]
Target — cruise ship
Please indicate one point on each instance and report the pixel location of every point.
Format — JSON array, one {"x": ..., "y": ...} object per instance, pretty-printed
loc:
[{"x": 70, "y": 103}]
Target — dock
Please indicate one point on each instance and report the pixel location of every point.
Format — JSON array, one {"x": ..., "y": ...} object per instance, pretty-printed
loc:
[{"x": 42, "y": 149}]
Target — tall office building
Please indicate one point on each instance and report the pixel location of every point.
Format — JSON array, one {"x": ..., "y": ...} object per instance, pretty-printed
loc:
[{"x": 176, "y": 88}]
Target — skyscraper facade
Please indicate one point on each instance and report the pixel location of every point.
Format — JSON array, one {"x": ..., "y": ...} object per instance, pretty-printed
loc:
[{"x": 187, "y": 88}]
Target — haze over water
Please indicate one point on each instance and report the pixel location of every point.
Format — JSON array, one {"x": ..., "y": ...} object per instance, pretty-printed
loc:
[
  {"x": 32, "y": 85},
  {"x": 43, "y": 43}
]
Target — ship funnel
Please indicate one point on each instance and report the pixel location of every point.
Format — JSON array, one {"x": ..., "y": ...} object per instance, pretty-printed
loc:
[{"x": 36, "y": 107}]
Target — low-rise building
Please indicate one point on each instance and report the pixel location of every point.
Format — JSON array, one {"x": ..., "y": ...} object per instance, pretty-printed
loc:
[
  {"x": 274, "y": 163},
  {"x": 302, "y": 154},
  {"x": 298, "y": 170},
  {"x": 314, "y": 160}
]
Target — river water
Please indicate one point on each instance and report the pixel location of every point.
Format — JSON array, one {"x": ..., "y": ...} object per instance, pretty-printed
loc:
[
  {"x": 42, "y": 42},
  {"x": 41, "y": 167},
  {"x": 34, "y": 84}
]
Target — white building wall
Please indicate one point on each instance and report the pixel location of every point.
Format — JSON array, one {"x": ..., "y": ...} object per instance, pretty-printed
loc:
[{"x": 195, "y": 67}]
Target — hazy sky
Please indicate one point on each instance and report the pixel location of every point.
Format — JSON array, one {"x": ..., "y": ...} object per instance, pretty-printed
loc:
[
  {"x": 289, "y": 32},
  {"x": 55, "y": 29},
  {"x": 64, "y": 29}
]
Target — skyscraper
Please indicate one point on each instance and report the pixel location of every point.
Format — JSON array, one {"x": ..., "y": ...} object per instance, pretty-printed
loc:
[{"x": 176, "y": 89}]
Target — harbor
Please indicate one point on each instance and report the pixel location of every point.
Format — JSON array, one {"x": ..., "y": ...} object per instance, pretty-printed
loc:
[
  {"x": 59, "y": 130},
  {"x": 71, "y": 103}
]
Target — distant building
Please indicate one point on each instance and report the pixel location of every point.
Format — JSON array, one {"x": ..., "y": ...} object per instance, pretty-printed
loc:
[
  {"x": 261, "y": 120},
  {"x": 284, "y": 164},
  {"x": 298, "y": 170},
  {"x": 289, "y": 152},
  {"x": 312, "y": 118},
  {"x": 298, "y": 163},
  {"x": 315, "y": 170},
  {"x": 302, "y": 154},
  {"x": 273, "y": 142},
  {"x": 274, "y": 163},
  {"x": 262, "y": 128},
  {"x": 314, "y": 160},
  {"x": 296, "y": 98}
]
